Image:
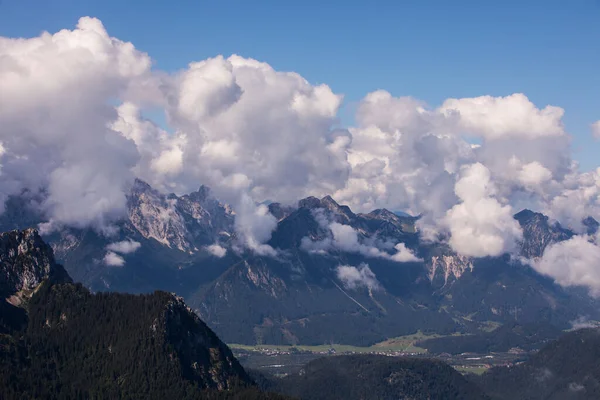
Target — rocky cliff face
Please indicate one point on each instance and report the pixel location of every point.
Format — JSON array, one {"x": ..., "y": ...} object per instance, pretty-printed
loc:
[
  {"x": 448, "y": 267},
  {"x": 25, "y": 261},
  {"x": 184, "y": 223},
  {"x": 539, "y": 233}
]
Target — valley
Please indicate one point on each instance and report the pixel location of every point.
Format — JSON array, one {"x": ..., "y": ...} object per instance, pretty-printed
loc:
[{"x": 283, "y": 360}]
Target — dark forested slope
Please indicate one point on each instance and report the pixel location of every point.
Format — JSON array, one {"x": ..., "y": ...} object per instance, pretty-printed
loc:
[
  {"x": 367, "y": 377},
  {"x": 568, "y": 368},
  {"x": 59, "y": 341}
]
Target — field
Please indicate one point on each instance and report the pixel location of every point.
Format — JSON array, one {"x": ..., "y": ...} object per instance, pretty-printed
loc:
[{"x": 405, "y": 344}]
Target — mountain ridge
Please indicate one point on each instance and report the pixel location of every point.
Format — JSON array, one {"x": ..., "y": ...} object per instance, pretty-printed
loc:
[{"x": 303, "y": 290}]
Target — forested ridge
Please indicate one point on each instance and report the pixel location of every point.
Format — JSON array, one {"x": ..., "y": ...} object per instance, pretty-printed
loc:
[{"x": 107, "y": 346}]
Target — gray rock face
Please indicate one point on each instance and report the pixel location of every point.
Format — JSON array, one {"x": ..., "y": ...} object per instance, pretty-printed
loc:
[
  {"x": 184, "y": 223},
  {"x": 25, "y": 261},
  {"x": 539, "y": 233}
]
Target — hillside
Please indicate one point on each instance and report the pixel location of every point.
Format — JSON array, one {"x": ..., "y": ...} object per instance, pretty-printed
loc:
[
  {"x": 370, "y": 377},
  {"x": 70, "y": 343},
  {"x": 568, "y": 368}
]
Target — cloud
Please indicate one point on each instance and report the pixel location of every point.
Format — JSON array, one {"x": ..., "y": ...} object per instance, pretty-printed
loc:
[
  {"x": 72, "y": 130},
  {"x": 403, "y": 254},
  {"x": 216, "y": 250},
  {"x": 480, "y": 225},
  {"x": 596, "y": 129},
  {"x": 499, "y": 117},
  {"x": 124, "y": 247},
  {"x": 583, "y": 323},
  {"x": 54, "y": 113},
  {"x": 574, "y": 262},
  {"x": 113, "y": 259},
  {"x": 355, "y": 278},
  {"x": 345, "y": 238}
]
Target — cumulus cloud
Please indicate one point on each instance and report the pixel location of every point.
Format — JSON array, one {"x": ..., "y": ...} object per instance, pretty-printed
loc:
[
  {"x": 357, "y": 277},
  {"x": 499, "y": 117},
  {"x": 124, "y": 247},
  {"x": 216, "y": 250},
  {"x": 54, "y": 113},
  {"x": 480, "y": 225},
  {"x": 112, "y": 259},
  {"x": 72, "y": 128},
  {"x": 574, "y": 262}
]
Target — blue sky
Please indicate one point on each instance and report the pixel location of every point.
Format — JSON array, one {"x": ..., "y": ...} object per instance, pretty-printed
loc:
[{"x": 432, "y": 50}]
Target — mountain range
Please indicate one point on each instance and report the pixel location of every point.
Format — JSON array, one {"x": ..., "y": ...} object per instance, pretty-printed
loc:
[{"x": 337, "y": 276}]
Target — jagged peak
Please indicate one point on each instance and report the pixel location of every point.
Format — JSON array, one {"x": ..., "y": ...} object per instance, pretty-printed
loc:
[
  {"x": 591, "y": 225},
  {"x": 384, "y": 213},
  {"x": 526, "y": 215},
  {"x": 329, "y": 200},
  {"x": 309, "y": 202},
  {"x": 141, "y": 185},
  {"x": 202, "y": 194},
  {"x": 25, "y": 261}
]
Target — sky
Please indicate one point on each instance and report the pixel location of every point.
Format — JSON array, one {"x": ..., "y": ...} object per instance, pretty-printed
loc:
[{"x": 432, "y": 50}]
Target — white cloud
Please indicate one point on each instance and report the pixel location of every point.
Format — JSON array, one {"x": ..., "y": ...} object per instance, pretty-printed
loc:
[
  {"x": 480, "y": 225},
  {"x": 113, "y": 259},
  {"x": 354, "y": 278},
  {"x": 574, "y": 262},
  {"x": 54, "y": 112},
  {"x": 124, "y": 247},
  {"x": 345, "y": 238},
  {"x": 403, "y": 254},
  {"x": 216, "y": 250},
  {"x": 499, "y": 117},
  {"x": 71, "y": 124}
]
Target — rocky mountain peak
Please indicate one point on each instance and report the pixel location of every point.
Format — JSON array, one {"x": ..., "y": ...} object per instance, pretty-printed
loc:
[
  {"x": 310, "y": 202},
  {"x": 280, "y": 211},
  {"x": 25, "y": 261},
  {"x": 184, "y": 223},
  {"x": 591, "y": 225},
  {"x": 538, "y": 233},
  {"x": 382, "y": 213}
]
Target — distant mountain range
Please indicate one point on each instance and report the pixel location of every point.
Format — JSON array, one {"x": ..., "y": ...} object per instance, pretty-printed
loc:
[{"x": 321, "y": 288}]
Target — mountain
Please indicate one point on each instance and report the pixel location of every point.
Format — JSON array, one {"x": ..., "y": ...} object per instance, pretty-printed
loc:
[
  {"x": 366, "y": 377},
  {"x": 320, "y": 288},
  {"x": 538, "y": 232},
  {"x": 567, "y": 368},
  {"x": 25, "y": 261},
  {"x": 71, "y": 343},
  {"x": 172, "y": 233},
  {"x": 300, "y": 297}
]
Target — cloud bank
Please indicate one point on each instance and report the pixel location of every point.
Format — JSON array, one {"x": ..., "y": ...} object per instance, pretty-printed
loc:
[{"x": 72, "y": 128}]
